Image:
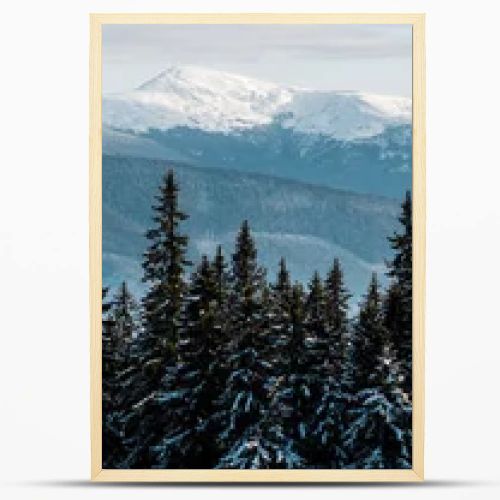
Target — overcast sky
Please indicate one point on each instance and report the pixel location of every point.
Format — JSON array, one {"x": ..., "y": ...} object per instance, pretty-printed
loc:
[{"x": 373, "y": 58}]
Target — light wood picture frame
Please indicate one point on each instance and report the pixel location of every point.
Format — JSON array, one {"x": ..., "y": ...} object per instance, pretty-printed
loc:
[{"x": 98, "y": 473}]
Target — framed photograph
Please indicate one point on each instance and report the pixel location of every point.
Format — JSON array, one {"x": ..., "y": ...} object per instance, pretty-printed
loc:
[{"x": 257, "y": 247}]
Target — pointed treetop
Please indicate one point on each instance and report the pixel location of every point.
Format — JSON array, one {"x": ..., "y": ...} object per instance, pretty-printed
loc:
[
  {"x": 373, "y": 289},
  {"x": 283, "y": 277},
  {"x": 316, "y": 287}
]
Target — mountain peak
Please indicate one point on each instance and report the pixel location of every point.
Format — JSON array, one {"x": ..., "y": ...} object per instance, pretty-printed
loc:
[
  {"x": 197, "y": 76},
  {"x": 218, "y": 101}
]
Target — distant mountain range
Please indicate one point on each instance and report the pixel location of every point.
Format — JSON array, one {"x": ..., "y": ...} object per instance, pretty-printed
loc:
[
  {"x": 349, "y": 140},
  {"x": 307, "y": 224},
  {"x": 317, "y": 174}
]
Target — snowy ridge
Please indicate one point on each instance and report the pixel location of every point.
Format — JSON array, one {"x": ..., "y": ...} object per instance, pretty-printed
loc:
[{"x": 216, "y": 101}]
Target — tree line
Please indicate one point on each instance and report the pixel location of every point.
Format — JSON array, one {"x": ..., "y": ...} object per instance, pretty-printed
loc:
[{"x": 225, "y": 369}]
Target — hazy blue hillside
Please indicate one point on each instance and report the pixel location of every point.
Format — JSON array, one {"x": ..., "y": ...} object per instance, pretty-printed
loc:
[
  {"x": 380, "y": 164},
  {"x": 307, "y": 224}
]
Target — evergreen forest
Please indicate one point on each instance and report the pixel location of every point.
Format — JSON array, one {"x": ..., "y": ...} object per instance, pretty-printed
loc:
[{"x": 219, "y": 365}]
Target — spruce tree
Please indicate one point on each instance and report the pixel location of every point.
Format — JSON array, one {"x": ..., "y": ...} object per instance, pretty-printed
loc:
[
  {"x": 221, "y": 367},
  {"x": 247, "y": 277},
  {"x": 164, "y": 269},
  {"x": 297, "y": 331},
  {"x": 108, "y": 348},
  {"x": 119, "y": 328},
  {"x": 221, "y": 277},
  {"x": 243, "y": 402},
  {"x": 369, "y": 339},
  {"x": 398, "y": 306},
  {"x": 301, "y": 377},
  {"x": 229, "y": 371},
  {"x": 105, "y": 304},
  {"x": 266, "y": 442},
  {"x": 192, "y": 386},
  {"x": 125, "y": 314},
  {"x": 317, "y": 341},
  {"x": 337, "y": 316},
  {"x": 280, "y": 381},
  {"x": 379, "y": 435},
  {"x": 280, "y": 318},
  {"x": 316, "y": 366},
  {"x": 315, "y": 319},
  {"x": 111, "y": 439},
  {"x": 330, "y": 416}
]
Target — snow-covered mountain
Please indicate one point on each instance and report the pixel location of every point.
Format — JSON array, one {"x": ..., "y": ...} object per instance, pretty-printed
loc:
[
  {"x": 246, "y": 149},
  {"x": 214, "y": 101},
  {"x": 350, "y": 140}
]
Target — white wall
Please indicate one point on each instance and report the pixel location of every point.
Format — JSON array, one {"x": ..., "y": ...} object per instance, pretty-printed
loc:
[{"x": 44, "y": 363}]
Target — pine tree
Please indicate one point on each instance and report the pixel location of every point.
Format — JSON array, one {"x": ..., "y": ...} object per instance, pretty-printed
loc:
[
  {"x": 280, "y": 295},
  {"x": 229, "y": 371},
  {"x": 297, "y": 331},
  {"x": 164, "y": 268},
  {"x": 243, "y": 402},
  {"x": 105, "y": 304},
  {"x": 329, "y": 425},
  {"x": 330, "y": 418},
  {"x": 398, "y": 303},
  {"x": 193, "y": 385},
  {"x": 221, "y": 277},
  {"x": 125, "y": 314},
  {"x": 247, "y": 277},
  {"x": 317, "y": 352},
  {"x": 370, "y": 337},
  {"x": 280, "y": 382},
  {"x": 297, "y": 396},
  {"x": 380, "y": 432},
  {"x": 315, "y": 320},
  {"x": 316, "y": 367},
  {"x": 265, "y": 441},
  {"x": 262, "y": 446},
  {"x": 221, "y": 367},
  {"x": 119, "y": 329},
  {"x": 111, "y": 439},
  {"x": 337, "y": 317},
  {"x": 108, "y": 352}
]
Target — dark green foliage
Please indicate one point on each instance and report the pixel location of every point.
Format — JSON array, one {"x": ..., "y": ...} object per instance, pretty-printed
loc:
[
  {"x": 369, "y": 337},
  {"x": 337, "y": 312},
  {"x": 227, "y": 370},
  {"x": 125, "y": 315},
  {"x": 193, "y": 386},
  {"x": 221, "y": 277},
  {"x": 328, "y": 427},
  {"x": 316, "y": 325},
  {"x": 380, "y": 432},
  {"x": 279, "y": 313},
  {"x": 398, "y": 306},
  {"x": 164, "y": 267},
  {"x": 400, "y": 267},
  {"x": 244, "y": 397},
  {"x": 119, "y": 328},
  {"x": 330, "y": 418},
  {"x": 301, "y": 373}
]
